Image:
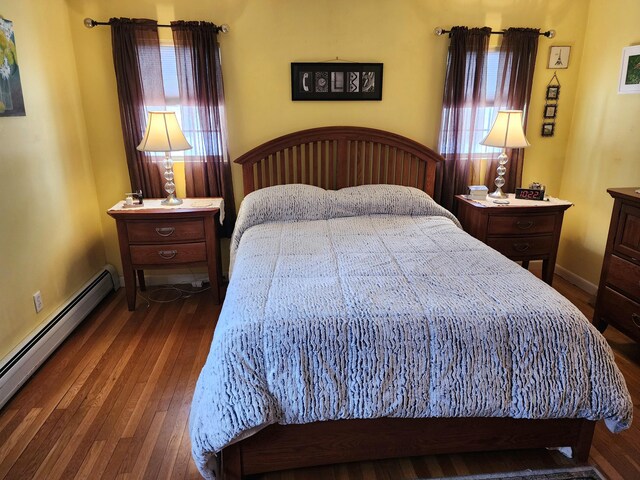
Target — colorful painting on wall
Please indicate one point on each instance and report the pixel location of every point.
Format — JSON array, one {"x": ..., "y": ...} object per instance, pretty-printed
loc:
[{"x": 11, "y": 101}]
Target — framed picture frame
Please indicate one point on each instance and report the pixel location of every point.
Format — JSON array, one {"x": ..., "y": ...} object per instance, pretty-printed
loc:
[
  {"x": 553, "y": 92},
  {"x": 550, "y": 110},
  {"x": 559, "y": 57},
  {"x": 630, "y": 70},
  {"x": 336, "y": 81},
  {"x": 548, "y": 129}
]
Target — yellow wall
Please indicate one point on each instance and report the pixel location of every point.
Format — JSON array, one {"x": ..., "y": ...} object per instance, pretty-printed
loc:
[
  {"x": 604, "y": 145},
  {"x": 267, "y": 35},
  {"x": 51, "y": 239}
]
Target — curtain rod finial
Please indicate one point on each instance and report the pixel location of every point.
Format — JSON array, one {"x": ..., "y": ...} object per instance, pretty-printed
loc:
[
  {"x": 551, "y": 33},
  {"x": 89, "y": 22},
  {"x": 438, "y": 31},
  {"x": 224, "y": 28}
]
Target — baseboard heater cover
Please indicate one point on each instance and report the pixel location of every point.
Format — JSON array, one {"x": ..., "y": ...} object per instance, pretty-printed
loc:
[{"x": 24, "y": 360}]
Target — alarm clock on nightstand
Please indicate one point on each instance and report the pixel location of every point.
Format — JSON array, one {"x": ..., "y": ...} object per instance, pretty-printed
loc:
[{"x": 534, "y": 192}]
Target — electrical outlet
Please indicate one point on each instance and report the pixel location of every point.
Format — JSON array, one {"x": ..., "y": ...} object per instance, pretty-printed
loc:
[{"x": 37, "y": 301}]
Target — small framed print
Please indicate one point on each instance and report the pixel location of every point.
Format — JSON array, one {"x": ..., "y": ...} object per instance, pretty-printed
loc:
[
  {"x": 336, "y": 81},
  {"x": 553, "y": 92},
  {"x": 548, "y": 129},
  {"x": 550, "y": 111},
  {"x": 559, "y": 57},
  {"x": 630, "y": 70}
]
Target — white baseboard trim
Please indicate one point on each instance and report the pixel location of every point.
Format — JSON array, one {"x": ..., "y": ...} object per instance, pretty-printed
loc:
[
  {"x": 22, "y": 361},
  {"x": 578, "y": 281}
]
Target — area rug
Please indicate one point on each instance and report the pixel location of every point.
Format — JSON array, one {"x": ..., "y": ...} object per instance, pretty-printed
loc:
[{"x": 578, "y": 473}]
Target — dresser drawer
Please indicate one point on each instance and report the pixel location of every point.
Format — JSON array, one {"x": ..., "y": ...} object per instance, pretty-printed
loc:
[
  {"x": 169, "y": 254},
  {"x": 522, "y": 247},
  {"x": 627, "y": 240},
  {"x": 620, "y": 311},
  {"x": 624, "y": 276},
  {"x": 521, "y": 224},
  {"x": 165, "y": 231}
]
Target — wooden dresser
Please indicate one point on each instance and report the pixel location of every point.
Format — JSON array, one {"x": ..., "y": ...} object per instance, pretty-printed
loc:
[
  {"x": 157, "y": 236},
  {"x": 618, "y": 301},
  {"x": 523, "y": 230}
]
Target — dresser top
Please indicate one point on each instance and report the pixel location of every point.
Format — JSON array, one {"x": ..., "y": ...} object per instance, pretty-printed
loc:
[{"x": 629, "y": 193}]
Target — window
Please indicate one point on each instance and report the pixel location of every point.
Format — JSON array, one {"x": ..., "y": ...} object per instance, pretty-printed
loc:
[
  {"x": 478, "y": 128},
  {"x": 187, "y": 115}
]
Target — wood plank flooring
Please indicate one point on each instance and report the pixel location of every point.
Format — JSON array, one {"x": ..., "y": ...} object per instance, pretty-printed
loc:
[{"x": 113, "y": 403}]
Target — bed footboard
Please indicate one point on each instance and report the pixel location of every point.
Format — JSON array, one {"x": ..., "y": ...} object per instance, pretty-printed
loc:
[{"x": 280, "y": 447}]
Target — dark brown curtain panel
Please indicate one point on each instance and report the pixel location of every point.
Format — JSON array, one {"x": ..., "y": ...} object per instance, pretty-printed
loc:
[
  {"x": 464, "y": 93},
  {"x": 207, "y": 165},
  {"x": 136, "y": 59},
  {"x": 515, "y": 78}
]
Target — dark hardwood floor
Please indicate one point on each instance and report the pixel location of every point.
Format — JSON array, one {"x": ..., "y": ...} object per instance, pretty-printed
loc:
[{"x": 113, "y": 402}]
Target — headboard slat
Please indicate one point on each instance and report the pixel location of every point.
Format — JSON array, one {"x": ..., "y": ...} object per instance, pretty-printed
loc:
[{"x": 338, "y": 157}]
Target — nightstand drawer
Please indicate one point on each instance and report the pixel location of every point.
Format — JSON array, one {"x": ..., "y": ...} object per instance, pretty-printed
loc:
[
  {"x": 165, "y": 231},
  {"x": 169, "y": 254},
  {"x": 522, "y": 247},
  {"x": 624, "y": 276},
  {"x": 517, "y": 224},
  {"x": 621, "y": 312}
]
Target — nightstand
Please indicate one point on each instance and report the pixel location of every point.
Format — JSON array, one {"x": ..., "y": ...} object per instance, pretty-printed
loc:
[
  {"x": 157, "y": 236},
  {"x": 523, "y": 230}
]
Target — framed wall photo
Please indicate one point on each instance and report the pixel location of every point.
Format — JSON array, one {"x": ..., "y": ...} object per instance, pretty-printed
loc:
[
  {"x": 630, "y": 70},
  {"x": 550, "y": 111},
  {"x": 548, "y": 129},
  {"x": 553, "y": 92},
  {"x": 559, "y": 57},
  {"x": 336, "y": 81},
  {"x": 11, "y": 99}
]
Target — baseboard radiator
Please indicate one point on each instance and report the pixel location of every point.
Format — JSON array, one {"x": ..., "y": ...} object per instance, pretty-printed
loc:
[{"x": 24, "y": 360}]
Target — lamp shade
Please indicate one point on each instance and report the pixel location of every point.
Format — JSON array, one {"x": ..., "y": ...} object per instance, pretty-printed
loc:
[
  {"x": 163, "y": 134},
  {"x": 507, "y": 131}
]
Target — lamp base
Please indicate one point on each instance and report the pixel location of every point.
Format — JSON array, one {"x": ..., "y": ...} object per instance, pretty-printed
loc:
[
  {"x": 171, "y": 200},
  {"x": 498, "y": 194}
]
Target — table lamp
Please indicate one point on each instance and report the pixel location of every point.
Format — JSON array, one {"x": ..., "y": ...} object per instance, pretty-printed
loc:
[
  {"x": 506, "y": 133},
  {"x": 163, "y": 134}
]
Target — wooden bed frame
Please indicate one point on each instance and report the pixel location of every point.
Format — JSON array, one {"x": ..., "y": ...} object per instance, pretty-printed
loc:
[{"x": 337, "y": 157}]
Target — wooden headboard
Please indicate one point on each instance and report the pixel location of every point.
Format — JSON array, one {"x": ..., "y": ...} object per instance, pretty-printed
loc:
[{"x": 337, "y": 157}]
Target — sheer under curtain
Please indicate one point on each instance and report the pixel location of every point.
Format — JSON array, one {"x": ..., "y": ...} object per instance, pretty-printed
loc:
[
  {"x": 136, "y": 59},
  {"x": 464, "y": 94},
  {"x": 207, "y": 165},
  {"x": 513, "y": 92}
]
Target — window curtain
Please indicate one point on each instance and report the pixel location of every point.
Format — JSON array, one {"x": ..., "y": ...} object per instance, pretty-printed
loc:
[
  {"x": 136, "y": 59},
  {"x": 207, "y": 165},
  {"x": 515, "y": 77},
  {"x": 464, "y": 92}
]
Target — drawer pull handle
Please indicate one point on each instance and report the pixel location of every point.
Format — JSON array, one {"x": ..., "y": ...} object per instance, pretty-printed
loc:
[
  {"x": 521, "y": 247},
  {"x": 524, "y": 225},
  {"x": 165, "y": 231},
  {"x": 168, "y": 254},
  {"x": 636, "y": 319}
]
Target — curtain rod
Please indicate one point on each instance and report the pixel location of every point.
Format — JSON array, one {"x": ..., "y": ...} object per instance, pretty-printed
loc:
[
  {"x": 441, "y": 31},
  {"x": 90, "y": 23}
]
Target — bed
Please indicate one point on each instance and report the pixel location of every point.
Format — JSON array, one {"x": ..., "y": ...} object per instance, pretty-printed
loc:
[{"x": 361, "y": 322}]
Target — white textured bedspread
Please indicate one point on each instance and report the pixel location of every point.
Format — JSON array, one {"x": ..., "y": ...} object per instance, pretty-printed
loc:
[{"x": 376, "y": 304}]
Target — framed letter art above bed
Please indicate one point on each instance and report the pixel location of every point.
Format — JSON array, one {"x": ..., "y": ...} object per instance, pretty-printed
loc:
[{"x": 361, "y": 322}]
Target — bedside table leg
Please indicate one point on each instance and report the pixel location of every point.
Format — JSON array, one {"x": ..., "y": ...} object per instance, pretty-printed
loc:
[
  {"x": 547, "y": 271},
  {"x": 130, "y": 288},
  {"x": 143, "y": 285}
]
